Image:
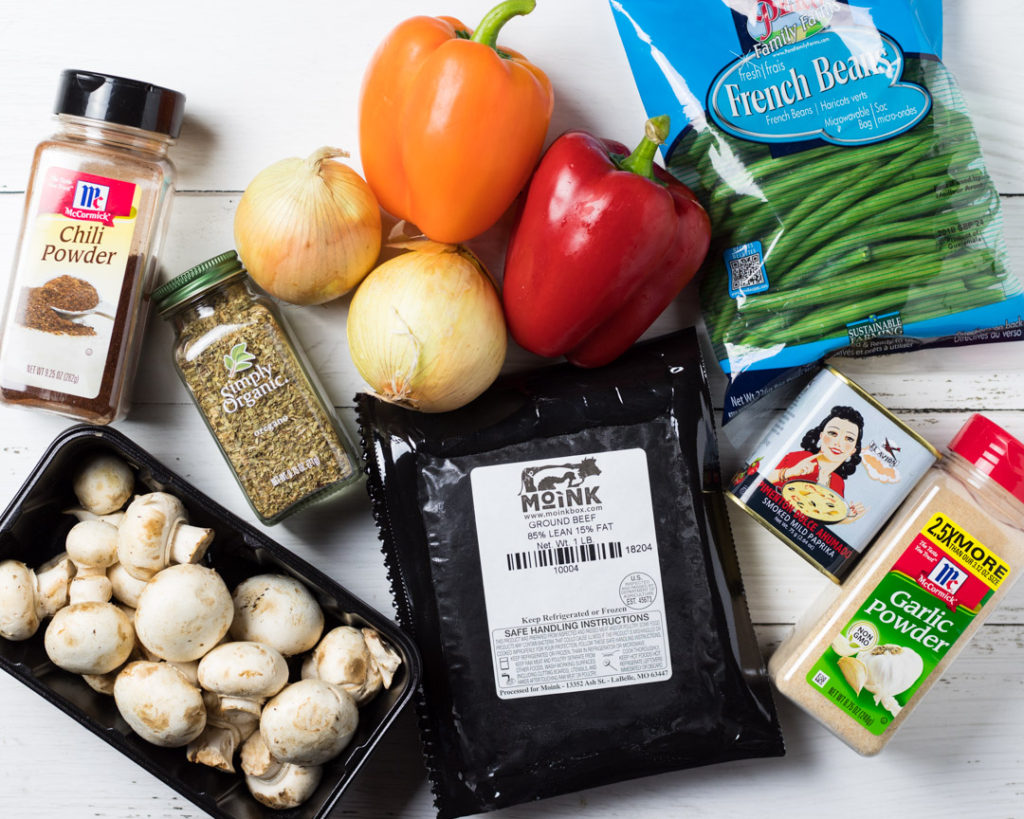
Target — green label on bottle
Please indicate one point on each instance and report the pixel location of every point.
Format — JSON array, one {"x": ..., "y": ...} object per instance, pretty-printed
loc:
[{"x": 906, "y": 625}]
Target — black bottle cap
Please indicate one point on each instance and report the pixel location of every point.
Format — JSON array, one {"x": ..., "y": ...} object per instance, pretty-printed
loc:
[{"x": 121, "y": 101}]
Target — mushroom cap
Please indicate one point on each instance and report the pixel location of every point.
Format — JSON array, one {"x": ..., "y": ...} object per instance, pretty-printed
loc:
[
  {"x": 278, "y": 611},
  {"x": 289, "y": 787},
  {"x": 124, "y": 586},
  {"x": 89, "y": 638},
  {"x": 159, "y": 704},
  {"x": 255, "y": 757},
  {"x": 243, "y": 669},
  {"x": 309, "y": 722},
  {"x": 343, "y": 658},
  {"x": 103, "y": 484},
  {"x": 92, "y": 543},
  {"x": 183, "y": 612},
  {"x": 18, "y": 617},
  {"x": 144, "y": 536}
]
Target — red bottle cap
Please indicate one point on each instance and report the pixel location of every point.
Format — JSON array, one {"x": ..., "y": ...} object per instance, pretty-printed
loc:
[{"x": 994, "y": 451}]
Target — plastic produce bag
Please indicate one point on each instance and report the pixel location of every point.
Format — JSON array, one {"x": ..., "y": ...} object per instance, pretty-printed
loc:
[
  {"x": 560, "y": 551},
  {"x": 850, "y": 206}
]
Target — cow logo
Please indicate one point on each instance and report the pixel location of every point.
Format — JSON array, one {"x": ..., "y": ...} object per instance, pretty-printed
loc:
[
  {"x": 558, "y": 476},
  {"x": 559, "y": 486}
]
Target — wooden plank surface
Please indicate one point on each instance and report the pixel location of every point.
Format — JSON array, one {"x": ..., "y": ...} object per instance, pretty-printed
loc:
[{"x": 265, "y": 82}]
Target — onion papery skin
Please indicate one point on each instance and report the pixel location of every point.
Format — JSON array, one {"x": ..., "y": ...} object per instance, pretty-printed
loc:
[
  {"x": 426, "y": 329},
  {"x": 308, "y": 230}
]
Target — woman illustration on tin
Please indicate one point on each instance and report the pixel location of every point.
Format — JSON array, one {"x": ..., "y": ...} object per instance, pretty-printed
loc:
[{"x": 829, "y": 454}]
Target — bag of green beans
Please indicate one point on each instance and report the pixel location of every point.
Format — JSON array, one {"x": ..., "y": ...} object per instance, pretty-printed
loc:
[{"x": 850, "y": 206}]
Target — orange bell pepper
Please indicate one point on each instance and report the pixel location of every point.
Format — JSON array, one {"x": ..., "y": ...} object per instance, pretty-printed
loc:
[{"x": 451, "y": 125}]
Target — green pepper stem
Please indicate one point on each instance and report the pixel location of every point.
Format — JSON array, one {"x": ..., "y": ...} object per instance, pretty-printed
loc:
[
  {"x": 641, "y": 161},
  {"x": 487, "y": 32}
]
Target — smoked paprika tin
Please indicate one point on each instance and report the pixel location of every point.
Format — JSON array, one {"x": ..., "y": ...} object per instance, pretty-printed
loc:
[{"x": 830, "y": 471}]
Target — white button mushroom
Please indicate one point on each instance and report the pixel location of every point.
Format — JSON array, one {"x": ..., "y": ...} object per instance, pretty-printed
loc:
[
  {"x": 244, "y": 674},
  {"x": 155, "y": 533},
  {"x": 278, "y": 785},
  {"x": 114, "y": 518},
  {"x": 89, "y": 638},
  {"x": 309, "y": 722},
  {"x": 27, "y": 597},
  {"x": 387, "y": 659},
  {"x": 183, "y": 612},
  {"x": 92, "y": 547},
  {"x": 278, "y": 611},
  {"x": 103, "y": 484},
  {"x": 342, "y": 658},
  {"x": 224, "y": 732},
  {"x": 159, "y": 704},
  {"x": 123, "y": 586}
]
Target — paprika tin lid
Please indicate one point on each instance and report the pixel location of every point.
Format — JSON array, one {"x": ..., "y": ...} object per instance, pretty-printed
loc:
[
  {"x": 993, "y": 451},
  {"x": 196, "y": 281},
  {"x": 121, "y": 101}
]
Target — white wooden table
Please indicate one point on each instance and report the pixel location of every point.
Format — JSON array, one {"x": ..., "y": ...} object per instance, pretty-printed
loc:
[{"x": 265, "y": 81}]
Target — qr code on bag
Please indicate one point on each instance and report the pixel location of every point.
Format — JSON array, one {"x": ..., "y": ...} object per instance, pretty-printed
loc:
[{"x": 745, "y": 265}]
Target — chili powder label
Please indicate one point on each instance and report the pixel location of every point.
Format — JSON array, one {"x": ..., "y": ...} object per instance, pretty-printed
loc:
[
  {"x": 76, "y": 256},
  {"x": 572, "y": 577},
  {"x": 908, "y": 623}
]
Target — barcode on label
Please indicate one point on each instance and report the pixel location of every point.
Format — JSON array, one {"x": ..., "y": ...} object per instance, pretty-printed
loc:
[
  {"x": 562, "y": 555},
  {"x": 820, "y": 679}
]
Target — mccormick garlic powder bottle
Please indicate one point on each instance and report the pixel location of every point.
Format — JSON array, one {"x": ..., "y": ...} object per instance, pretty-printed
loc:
[
  {"x": 862, "y": 661},
  {"x": 254, "y": 389},
  {"x": 95, "y": 212}
]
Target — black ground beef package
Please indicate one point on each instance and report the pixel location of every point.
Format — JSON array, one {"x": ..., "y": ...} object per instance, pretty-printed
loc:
[{"x": 560, "y": 551}]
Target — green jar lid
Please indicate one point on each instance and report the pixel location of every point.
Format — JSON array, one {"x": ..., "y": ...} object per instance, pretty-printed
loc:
[{"x": 197, "y": 280}]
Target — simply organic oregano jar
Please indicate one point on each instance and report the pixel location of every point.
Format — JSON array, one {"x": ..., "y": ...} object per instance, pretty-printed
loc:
[
  {"x": 861, "y": 660},
  {"x": 254, "y": 389}
]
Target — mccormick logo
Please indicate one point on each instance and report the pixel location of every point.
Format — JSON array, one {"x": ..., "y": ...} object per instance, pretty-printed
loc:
[
  {"x": 947, "y": 576},
  {"x": 86, "y": 197},
  {"x": 943, "y": 582},
  {"x": 558, "y": 486},
  {"x": 888, "y": 324},
  {"x": 90, "y": 196}
]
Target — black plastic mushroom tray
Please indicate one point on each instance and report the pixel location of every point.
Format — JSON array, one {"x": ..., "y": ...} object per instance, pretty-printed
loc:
[{"x": 33, "y": 529}]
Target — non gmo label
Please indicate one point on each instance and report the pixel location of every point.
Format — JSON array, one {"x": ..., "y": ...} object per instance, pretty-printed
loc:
[
  {"x": 907, "y": 624},
  {"x": 572, "y": 577},
  {"x": 842, "y": 85}
]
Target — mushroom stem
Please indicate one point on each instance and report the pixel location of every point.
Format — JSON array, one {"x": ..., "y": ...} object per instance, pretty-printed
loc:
[
  {"x": 90, "y": 585},
  {"x": 189, "y": 543},
  {"x": 223, "y": 733},
  {"x": 387, "y": 659},
  {"x": 53, "y": 579}
]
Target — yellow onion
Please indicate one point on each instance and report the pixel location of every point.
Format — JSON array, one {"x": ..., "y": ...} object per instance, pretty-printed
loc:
[
  {"x": 426, "y": 328},
  {"x": 308, "y": 230}
]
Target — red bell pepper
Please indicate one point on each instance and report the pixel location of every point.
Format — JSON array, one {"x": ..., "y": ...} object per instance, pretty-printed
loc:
[{"x": 604, "y": 242}]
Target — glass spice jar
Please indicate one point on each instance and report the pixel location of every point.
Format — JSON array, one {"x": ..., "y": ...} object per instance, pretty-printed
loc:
[
  {"x": 255, "y": 390},
  {"x": 96, "y": 210},
  {"x": 861, "y": 659}
]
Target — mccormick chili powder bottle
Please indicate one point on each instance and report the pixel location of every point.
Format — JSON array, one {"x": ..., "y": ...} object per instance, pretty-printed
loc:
[{"x": 96, "y": 209}]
